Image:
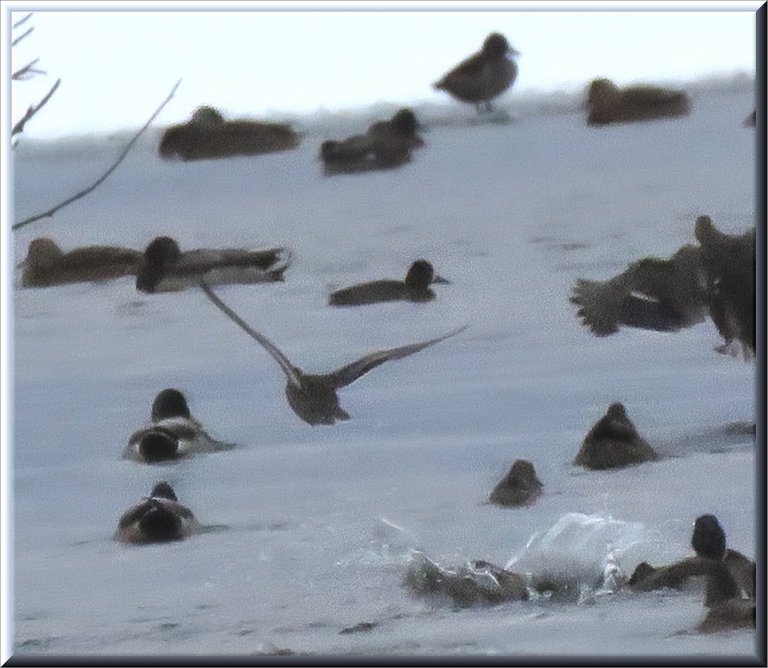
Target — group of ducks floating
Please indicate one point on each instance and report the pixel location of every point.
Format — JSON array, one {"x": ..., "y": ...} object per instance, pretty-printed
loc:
[
  {"x": 478, "y": 80},
  {"x": 715, "y": 279}
]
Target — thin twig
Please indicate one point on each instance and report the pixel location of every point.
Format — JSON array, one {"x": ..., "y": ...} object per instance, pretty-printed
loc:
[
  {"x": 22, "y": 36},
  {"x": 20, "y": 21},
  {"x": 103, "y": 177},
  {"x": 19, "y": 127},
  {"x": 27, "y": 69}
]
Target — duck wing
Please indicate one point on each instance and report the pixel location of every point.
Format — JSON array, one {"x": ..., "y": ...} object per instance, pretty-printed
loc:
[
  {"x": 656, "y": 294},
  {"x": 351, "y": 372},
  {"x": 466, "y": 69},
  {"x": 285, "y": 364}
]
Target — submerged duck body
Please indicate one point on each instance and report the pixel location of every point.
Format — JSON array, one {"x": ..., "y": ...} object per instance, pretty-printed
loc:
[
  {"x": 165, "y": 268},
  {"x": 520, "y": 487},
  {"x": 172, "y": 433},
  {"x": 46, "y": 264},
  {"x": 414, "y": 288},
  {"x": 387, "y": 144},
  {"x": 207, "y": 135},
  {"x": 715, "y": 279},
  {"x": 484, "y": 75},
  {"x": 313, "y": 396},
  {"x": 613, "y": 442},
  {"x": 158, "y": 518},
  {"x": 607, "y": 103}
]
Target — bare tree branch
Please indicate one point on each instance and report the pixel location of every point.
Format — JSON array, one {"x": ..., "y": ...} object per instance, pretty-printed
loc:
[
  {"x": 27, "y": 69},
  {"x": 19, "y": 127},
  {"x": 103, "y": 177},
  {"x": 22, "y": 36},
  {"x": 21, "y": 21}
]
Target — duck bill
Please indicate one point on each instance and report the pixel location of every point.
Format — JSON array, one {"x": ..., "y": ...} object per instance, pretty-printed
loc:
[{"x": 440, "y": 279}]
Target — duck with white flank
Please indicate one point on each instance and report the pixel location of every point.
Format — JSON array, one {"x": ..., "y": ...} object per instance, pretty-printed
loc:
[
  {"x": 157, "y": 518},
  {"x": 172, "y": 432},
  {"x": 313, "y": 396},
  {"x": 165, "y": 268},
  {"x": 484, "y": 75},
  {"x": 414, "y": 288}
]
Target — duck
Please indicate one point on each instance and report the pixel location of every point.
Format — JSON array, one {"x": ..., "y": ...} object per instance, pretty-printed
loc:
[
  {"x": 414, "y": 288},
  {"x": 47, "y": 265},
  {"x": 729, "y": 576},
  {"x": 385, "y": 145},
  {"x": 715, "y": 279},
  {"x": 172, "y": 432},
  {"x": 313, "y": 397},
  {"x": 520, "y": 487},
  {"x": 484, "y": 75},
  {"x": 208, "y": 135},
  {"x": 165, "y": 268},
  {"x": 477, "y": 582},
  {"x": 157, "y": 518},
  {"x": 613, "y": 442},
  {"x": 607, "y": 103}
]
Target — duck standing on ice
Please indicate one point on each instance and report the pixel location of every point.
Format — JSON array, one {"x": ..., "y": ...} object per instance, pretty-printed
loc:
[
  {"x": 484, "y": 75},
  {"x": 313, "y": 396}
]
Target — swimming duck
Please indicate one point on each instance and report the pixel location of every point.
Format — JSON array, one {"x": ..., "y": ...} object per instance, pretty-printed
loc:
[
  {"x": 520, "y": 487},
  {"x": 208, "y": 135},
  {"x": 715, "y": 279},
  {"x": 414, "y": 288},
  {"x": 313, "y": 396},
  {"x": 165, "y": 268},
  {"x": 476, "y": 582},
  {"x": 484, "y": 75},
  {"x": 387, "y": 144},
  {"x": 607, "y": 103},
  {"x": 157, "y": 518},
  {"x": 46, "y": 264},
  {"x": 172, "y": 432},
  {"x": 613, "y": 442}
]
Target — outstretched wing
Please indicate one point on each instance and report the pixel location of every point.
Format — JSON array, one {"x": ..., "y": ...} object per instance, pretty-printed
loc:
[
  {"x": 661, "y": 295},
  {"x": 350, "y": 373},
  {"x": 271, "y": 348}
]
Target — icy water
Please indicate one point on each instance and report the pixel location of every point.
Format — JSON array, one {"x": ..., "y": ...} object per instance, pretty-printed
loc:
[{"x": 314, "y": 525}]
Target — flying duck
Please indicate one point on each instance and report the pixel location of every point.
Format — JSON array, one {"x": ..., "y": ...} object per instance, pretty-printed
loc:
[
  {"x": 414, "y": 288},
  {"x": 313, "y": 396},
  {"x": 715, "y": 279},
  {"x": 165, "y": 268}
]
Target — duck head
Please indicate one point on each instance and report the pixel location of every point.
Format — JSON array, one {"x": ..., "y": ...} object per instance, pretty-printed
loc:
[
  {"x": 158, "y": 445},
  {"x": 163, "y": 490},
  {"x": 43, "y": 252},
  {"x": 708, "y": 539},
  {"x": 421, "y": 274},
  {"x": 497, "y": 46},
  {"x": 169, "y": 403}
]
